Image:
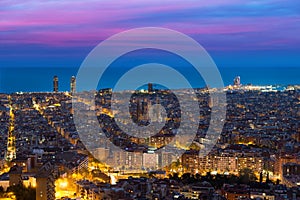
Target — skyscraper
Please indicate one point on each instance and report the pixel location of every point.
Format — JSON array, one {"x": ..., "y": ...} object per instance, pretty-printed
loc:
[
  {"x": 73, "y": 85},
  {"x": 150, "y": 87},
  {"x": 55, "y": 84}
]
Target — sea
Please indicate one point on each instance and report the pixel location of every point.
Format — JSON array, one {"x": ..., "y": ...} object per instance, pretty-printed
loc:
[{"x": 40, "y": 77}]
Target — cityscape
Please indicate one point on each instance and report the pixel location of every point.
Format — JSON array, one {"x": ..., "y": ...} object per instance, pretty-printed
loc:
[
  {"x": 149, "y": 100},
  {"x": 256, "y": 156}
]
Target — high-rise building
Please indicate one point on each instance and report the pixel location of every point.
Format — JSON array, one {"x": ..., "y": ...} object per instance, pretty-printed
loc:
[
  {"x": 150, "y": 161},
  {"x": 150, "y": 87},
  {"x": 55, "y": 84},
  {"x": 73, "y": 85},
  {"x": 142, "y": 110}
]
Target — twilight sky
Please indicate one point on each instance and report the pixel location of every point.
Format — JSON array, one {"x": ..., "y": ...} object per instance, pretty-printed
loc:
[{"x": 237, "y": 33}]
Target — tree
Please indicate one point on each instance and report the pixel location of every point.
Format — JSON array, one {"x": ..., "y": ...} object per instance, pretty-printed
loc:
[
  {"x": 188, "y": 178},
  {"x": 219, "y": 181},
  {"x": 260, "y": 177},
  {"x": 268, "y": 178},
  {"x": 21, "y": 192},
  {"x": 198, "y": 177},
  {"x": 232, "y": 179},
  {"x": 1, "y": 191},
  {"x": 174, "y": 177},
  {"x": 208, "y": 176},
  {"x": 247, "y": 176},
  {"x": 176, "y": 166}
]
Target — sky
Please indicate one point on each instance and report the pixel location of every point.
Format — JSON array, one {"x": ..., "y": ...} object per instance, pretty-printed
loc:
[{"x": 236, "y": 33}]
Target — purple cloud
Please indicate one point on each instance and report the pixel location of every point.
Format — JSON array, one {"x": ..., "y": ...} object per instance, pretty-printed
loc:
[{"x": 216, "y": 22}]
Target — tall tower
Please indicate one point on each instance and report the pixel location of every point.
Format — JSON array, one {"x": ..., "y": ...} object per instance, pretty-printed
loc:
[
  {"x": 11, "y": 139},
  {"x": 55, "y": 84},
  {"x": 150, "y": 87},
  {"x": 73, "y": 85}
]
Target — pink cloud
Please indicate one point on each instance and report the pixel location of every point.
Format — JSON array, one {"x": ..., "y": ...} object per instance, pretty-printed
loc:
[
  {"x": 76, "y": 23},
  {"x": 235, "y": 25},
  {"x": 47, "y": 13}
]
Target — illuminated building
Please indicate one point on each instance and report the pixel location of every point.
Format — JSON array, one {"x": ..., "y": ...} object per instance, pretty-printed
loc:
[
  {"x": 55, "y": 84},
  {"x": 142, "y": 110},
  {"x": 291, "y": 169},
  {"x": 160, "y": 140},
  {"x": 190, "y": 160},
  {"x": 125, "y": 160},
  {"x": 226, "y": 163},
  {"x": 73, "y": 85},
  {"x": 281, "y": 161},
  {"x": 150, "y": 161},
  {"x": 236, "y": 192},
  {"x": 231, "y": 162},
  {"x": 155, "y": 111},
  {"x": 165, "y": 159}
]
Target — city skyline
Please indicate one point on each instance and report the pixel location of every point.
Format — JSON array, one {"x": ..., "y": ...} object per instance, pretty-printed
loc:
[{"x": 41, "y": 78}]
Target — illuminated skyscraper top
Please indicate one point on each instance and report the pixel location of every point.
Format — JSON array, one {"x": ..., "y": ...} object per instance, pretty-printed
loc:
[
  {"x": 73, "y": 85},
  {"x": 55, "y": 84}
]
